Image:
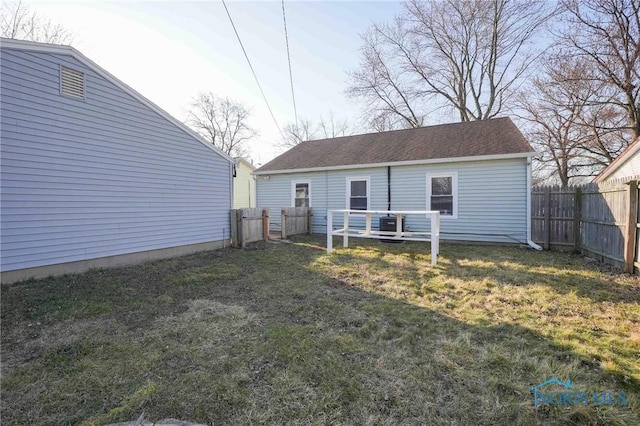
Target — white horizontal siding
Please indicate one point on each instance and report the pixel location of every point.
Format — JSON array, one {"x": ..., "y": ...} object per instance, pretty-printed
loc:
[
  {"x": 631, "y": 167},
  {"x": 492, "y": 197},
  {"x": 104, "y": 176}
]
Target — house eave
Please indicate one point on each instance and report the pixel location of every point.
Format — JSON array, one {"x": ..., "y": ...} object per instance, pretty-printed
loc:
[
  {"x": 68, "y": 50},
  {"x": 401, "y": 163},
  {"x": 618, "y": 161}
]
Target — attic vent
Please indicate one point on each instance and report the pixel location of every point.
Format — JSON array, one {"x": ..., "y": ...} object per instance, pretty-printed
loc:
[{"x": 72, "y": 83}]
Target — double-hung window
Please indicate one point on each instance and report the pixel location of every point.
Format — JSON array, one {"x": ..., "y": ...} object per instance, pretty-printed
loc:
[
  {"x": 300, "y": 194},
  {"x": 358, "y": 193},
  {"x": 442, "y": 194}
]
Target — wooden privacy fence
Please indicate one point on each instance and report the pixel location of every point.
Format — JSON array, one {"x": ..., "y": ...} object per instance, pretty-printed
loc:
[
  {"x": 249, "y": 225},
  {"x": 598, "y": 220},
  {"x": 296, "y": 220}
]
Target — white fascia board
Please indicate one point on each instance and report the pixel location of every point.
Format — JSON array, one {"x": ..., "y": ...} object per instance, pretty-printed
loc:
[
  {"x": 403, "y": 163},
  {"x": 68, "y": 50}
]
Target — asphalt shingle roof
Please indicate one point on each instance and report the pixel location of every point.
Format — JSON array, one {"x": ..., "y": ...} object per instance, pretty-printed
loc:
[{"x": 497, "y": 136}]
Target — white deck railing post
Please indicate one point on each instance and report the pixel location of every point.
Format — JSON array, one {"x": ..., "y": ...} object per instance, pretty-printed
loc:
[
  {"x": 345, "y": 236},
  {"x": 435, "y": 237},
  {"x": 329, "y": 231}
]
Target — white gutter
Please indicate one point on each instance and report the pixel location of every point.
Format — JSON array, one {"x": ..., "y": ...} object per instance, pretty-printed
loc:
[
  {"x": 529, "y": 241},
  {"x": 527, "y": 155}
]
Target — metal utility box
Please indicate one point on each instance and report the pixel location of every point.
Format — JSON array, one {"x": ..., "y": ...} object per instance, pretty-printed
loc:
[{"x": 389, "y": 223}]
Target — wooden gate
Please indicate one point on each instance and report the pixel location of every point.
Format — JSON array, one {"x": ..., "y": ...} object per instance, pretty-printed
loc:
[
  {"x": 249, "y": 225},
  {"x": 296, "y": 220}
]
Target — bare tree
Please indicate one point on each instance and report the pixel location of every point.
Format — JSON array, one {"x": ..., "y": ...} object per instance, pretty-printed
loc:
[
  {"x": 575, "y": 137},
  {"x": 306, "y": 130},
  {"x": 607, "y": 33},
  {"x": 469, "y": 56},
  {"x": 296, "y": 133},
  {"x": 333, "y": 127},
  {"x": 222, "y": 121},
  {"x": 17, "y": 21}
]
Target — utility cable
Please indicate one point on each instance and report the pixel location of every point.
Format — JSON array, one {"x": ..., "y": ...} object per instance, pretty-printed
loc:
[
  {"x": 286, "y": 38},
  {"x": 252, "y": 70}
]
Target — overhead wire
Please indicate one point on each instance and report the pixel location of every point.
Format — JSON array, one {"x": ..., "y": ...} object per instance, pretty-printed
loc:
[
  {"x": 255, "y": 76},
  {"x": 286, "y": 38}
]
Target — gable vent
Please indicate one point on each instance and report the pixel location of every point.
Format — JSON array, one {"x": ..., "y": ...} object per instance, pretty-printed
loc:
[{"x": 72, "y": 82}]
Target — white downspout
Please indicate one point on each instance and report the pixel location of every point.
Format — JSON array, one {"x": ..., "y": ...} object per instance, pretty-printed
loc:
[{"x": 529, "y": 241}]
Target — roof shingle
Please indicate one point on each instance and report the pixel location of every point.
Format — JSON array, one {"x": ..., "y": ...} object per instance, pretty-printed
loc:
[{"x": 497, "y": 136}]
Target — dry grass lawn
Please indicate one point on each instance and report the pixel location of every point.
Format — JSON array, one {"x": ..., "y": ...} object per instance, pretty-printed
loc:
[{"x": 287, "y": 334}]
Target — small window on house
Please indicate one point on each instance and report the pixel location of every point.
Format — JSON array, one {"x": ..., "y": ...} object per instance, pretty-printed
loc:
[
  {"x": 442, "y": 194},
  {"x": 72, "y": 82},
  {"x": 358, "y": 193},
  {"x": 301, "y": 194}
]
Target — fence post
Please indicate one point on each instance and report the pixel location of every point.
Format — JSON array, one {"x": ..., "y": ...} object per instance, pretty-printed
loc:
[
  {"x": 234, "y": 228},
  {"x": 547, "y": 218},
  {"x": 309, "y": 221},
  {"x": 630, "y": 237},
  {"x": 244, "y": 227},
  {"x": 265, "y": 224},
  {"x": 577, "y": 218},
  {"x": 283, "y": 224}
]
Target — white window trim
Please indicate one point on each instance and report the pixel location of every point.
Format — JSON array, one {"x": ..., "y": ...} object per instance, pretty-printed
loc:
[
  {"x": 293, "y": 191},
  {"x": 348, "y": 191},
  {"x": 454, "y": 190}
]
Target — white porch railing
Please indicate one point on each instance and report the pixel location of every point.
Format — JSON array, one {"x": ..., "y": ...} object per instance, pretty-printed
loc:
[{"x": 345, "y": 232}]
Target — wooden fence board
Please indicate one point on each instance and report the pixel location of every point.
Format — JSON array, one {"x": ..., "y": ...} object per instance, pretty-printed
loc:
[
  {"x": 295, "y": 220},
  {"x": 249, "y": 225}
]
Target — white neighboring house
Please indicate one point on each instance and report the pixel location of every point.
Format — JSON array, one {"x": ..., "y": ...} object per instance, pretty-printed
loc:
[
  {"x": 477, "y": 174},
  {"x": 625, "y": 166},
  {"x": 244, "y": 185},
  {"x": 93, "y": 174}
]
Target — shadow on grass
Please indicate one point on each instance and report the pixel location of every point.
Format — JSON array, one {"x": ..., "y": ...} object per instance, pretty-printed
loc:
[{"x": 267, "y": 336}]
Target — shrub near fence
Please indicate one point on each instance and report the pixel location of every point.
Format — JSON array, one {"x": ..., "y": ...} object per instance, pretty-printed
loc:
[{"x": 599, "y": 220}]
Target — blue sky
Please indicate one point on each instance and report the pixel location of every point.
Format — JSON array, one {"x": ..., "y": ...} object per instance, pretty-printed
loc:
[{"x": 169, "y": 51}]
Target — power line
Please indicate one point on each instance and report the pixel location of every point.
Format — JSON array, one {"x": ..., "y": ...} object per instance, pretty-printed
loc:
[
  {"x": 252, "y": 70},
  {"x": 286, "y": 38}
]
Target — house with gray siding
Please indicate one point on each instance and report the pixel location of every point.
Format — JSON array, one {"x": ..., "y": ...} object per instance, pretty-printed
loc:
[
  {"x": 477, "y": 174},
  {"x": 93, "y": 174}
]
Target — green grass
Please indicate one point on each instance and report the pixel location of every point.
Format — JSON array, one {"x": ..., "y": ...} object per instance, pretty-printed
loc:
[{"x": 286, "y": 333}]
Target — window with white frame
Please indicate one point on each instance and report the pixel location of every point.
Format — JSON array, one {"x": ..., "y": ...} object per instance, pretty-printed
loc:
[
  {"x": 358, "y": 193},
  {"x": 300, "y": 194},
  {"x": 442, "y": 194}
]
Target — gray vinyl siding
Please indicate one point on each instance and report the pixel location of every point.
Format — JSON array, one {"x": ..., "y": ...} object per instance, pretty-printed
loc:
[
  {"x": 103, "y": 176},
  {"x": 492, "y": 197}
]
